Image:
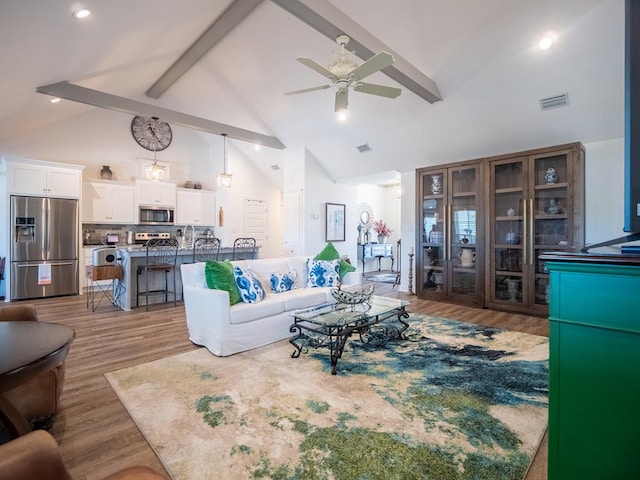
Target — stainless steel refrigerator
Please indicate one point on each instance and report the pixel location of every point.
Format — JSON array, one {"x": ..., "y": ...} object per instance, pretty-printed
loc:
[{"x": 44, "y": 247}]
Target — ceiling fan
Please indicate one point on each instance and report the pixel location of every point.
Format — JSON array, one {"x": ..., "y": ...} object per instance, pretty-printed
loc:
[{"x": 345, "y": 73}]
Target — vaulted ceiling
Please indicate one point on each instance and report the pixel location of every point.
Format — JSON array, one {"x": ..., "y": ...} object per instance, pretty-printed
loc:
[{"x": 482, "y": 56}]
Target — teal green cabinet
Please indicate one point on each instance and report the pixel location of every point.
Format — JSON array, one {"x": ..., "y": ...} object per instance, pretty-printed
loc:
[{"x": 594, "y": 366}]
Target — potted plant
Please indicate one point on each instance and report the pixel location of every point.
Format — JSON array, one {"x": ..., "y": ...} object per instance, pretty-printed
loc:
[{"x": 382, "y": 230}]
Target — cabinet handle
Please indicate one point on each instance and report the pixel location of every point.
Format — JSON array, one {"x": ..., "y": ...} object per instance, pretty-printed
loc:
[
  {"x": 447, "y": 229},
  {"x": 525, "y": 230},
  {"x": 531, "y": 228}
]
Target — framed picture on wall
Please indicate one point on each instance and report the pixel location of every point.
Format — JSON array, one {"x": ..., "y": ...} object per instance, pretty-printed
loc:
[{"x": 335, "y": 231}]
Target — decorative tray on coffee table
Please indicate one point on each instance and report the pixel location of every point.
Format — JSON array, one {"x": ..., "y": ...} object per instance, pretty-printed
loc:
[{"x": 352, "y": 298}]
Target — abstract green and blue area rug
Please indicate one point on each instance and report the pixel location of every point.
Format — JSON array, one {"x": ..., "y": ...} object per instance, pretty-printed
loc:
[{"x": 452, "y": 401}]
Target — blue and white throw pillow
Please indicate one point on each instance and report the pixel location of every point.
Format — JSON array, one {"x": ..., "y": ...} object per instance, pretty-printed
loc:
[
  {"x": 283, "y": 282},
  {"x": 249, "y": 287},
  {"x": 323, "y": 273}
]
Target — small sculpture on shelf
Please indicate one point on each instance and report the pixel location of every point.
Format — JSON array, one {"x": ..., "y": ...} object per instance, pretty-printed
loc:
[
  {"x": 553, "y": 207},
  {"x": 436, "y": 184}
]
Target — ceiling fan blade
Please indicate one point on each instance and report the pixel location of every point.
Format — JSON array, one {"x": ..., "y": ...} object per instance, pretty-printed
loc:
[
  {"x": 312, "y": 64},
  {"x": 342, "y": 101},
  {"x": 377, "y": 62},
  {"x": 305, "y": 90},
  {"x": 380, "y": 90}
]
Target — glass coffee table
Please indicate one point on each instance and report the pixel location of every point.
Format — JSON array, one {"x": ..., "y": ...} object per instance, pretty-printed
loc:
[{"x": 333, "y": 324}]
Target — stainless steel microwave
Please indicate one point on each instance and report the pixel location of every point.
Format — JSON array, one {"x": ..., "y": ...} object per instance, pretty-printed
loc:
[{"x": 149, "y": 215}]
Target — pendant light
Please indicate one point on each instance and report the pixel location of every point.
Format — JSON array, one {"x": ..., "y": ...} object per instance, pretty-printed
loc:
[
  {"x": 224, "y": 178},
  {"x": 155, "y": 172}
]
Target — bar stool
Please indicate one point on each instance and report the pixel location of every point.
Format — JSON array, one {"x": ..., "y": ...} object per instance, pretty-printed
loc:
[
  {"x": 162, "y": 256},
  {"x": 206, "y": 248},
  {"x": 244, "y": 248}
]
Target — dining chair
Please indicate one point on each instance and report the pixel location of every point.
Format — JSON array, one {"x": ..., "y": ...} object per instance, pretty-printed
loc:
[
  {"x": 206, "y": 248},
  {"x": 244, "y": 248},
  {"x": 162, "y": 256}
]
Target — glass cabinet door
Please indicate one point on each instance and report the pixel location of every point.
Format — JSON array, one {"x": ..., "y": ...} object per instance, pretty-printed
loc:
[
  {"x": 551, "y": 225},
  {"x": 508, "y": 230},
  {"x": 432, "y": 261},
  {"x": 532, "y": 200},
  {"x": 463, "y": 252},
  {"x": 450, "y": 261}
]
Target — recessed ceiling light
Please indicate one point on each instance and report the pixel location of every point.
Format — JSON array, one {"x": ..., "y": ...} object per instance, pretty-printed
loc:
[
  {"x": 257, "y": 147},
  {"x": 82, "y": 13},
  {"x": 546, "y": 41},
  {"x": 54, "y": 100}
]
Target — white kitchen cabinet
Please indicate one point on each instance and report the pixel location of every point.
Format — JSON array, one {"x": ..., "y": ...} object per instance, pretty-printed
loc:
[
  {"x": 108, "y": 202},
  {"x": 195, "y": 207},
  {"x": 160, "y": 194},
  {"x": 44, "y": 179}
]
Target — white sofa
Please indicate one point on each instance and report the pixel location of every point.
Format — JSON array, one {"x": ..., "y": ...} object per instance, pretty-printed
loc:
[{"x": 227, "y": 329}]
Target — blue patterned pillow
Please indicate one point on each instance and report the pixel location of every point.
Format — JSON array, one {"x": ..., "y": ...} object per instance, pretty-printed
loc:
[
  {"x": 323, "y": 273},
  {"x": 283, "y": 282},
  {"x": 249, "y": 287}
]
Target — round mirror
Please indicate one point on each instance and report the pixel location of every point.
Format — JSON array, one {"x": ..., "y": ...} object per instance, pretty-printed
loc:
[{"x": 365, "y": 215}]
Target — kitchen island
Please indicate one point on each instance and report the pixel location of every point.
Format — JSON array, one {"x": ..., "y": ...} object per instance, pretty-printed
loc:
[{"x": 130, "y": 257}]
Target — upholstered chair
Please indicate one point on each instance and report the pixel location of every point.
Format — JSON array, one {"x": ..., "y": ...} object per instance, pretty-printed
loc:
[
  {"x": 37, "y": 400},
  {"x": 36, "y": 456}
]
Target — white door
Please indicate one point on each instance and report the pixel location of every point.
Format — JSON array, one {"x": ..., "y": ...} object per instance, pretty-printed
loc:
[{"x": 255, "y": 220}]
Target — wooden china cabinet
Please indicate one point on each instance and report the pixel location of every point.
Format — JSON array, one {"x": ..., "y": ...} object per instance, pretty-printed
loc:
[
  {"x": 536, "y": 204},
  {"x": 482, "y": 224},
  {"x": 449, "y": 257}
]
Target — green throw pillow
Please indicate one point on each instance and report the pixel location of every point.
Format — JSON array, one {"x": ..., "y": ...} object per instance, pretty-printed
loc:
[
  {"x": 219, "y": 276},
  {"x": 330, "y": 253}
]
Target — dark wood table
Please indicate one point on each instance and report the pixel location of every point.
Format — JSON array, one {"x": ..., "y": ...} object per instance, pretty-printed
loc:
[{"x": 28, "y": 349}]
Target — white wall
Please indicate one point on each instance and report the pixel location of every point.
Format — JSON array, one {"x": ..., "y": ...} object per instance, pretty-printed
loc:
[
  {"x": 102, "y": 137},
  {"x": 319, "y": 190},
  {"x": 604, "y": 192},
  {"x": 249, "y": 183}
]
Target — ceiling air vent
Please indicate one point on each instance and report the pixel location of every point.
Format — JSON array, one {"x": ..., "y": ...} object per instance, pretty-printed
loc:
[
  {"x": 275, "y": 166},
  {"x": 554, "y": 102},
  {"x": 364, "y": 148}
]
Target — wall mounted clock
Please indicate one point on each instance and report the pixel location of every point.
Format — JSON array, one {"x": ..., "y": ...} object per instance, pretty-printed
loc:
[{"x": 151, "y": 133}]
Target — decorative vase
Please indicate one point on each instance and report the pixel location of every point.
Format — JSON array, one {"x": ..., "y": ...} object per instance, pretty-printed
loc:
[
  {"x": 382, "y": 238},
  {"x": 436, "y": 184},
  {"x": 511, "y": 212},
  {"x": 512, "y": 238},
  {"x": 551, "y": 176},
  {"x": 467, "y": 257},
  {"x": 435, "y": 236},
  {"x": 106, "y": 173}
]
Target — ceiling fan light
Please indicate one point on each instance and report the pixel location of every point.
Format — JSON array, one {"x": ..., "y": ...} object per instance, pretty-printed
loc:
[
  {"x": 342, "y": 115},
  {"x": 82, "y": 13}
]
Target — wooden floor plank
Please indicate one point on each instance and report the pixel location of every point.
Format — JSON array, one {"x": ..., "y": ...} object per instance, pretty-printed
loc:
[{"x": 94, "y": 431}]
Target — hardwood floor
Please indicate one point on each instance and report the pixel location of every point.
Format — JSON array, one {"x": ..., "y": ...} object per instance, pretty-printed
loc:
[{"x": 94, "y": 431}]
